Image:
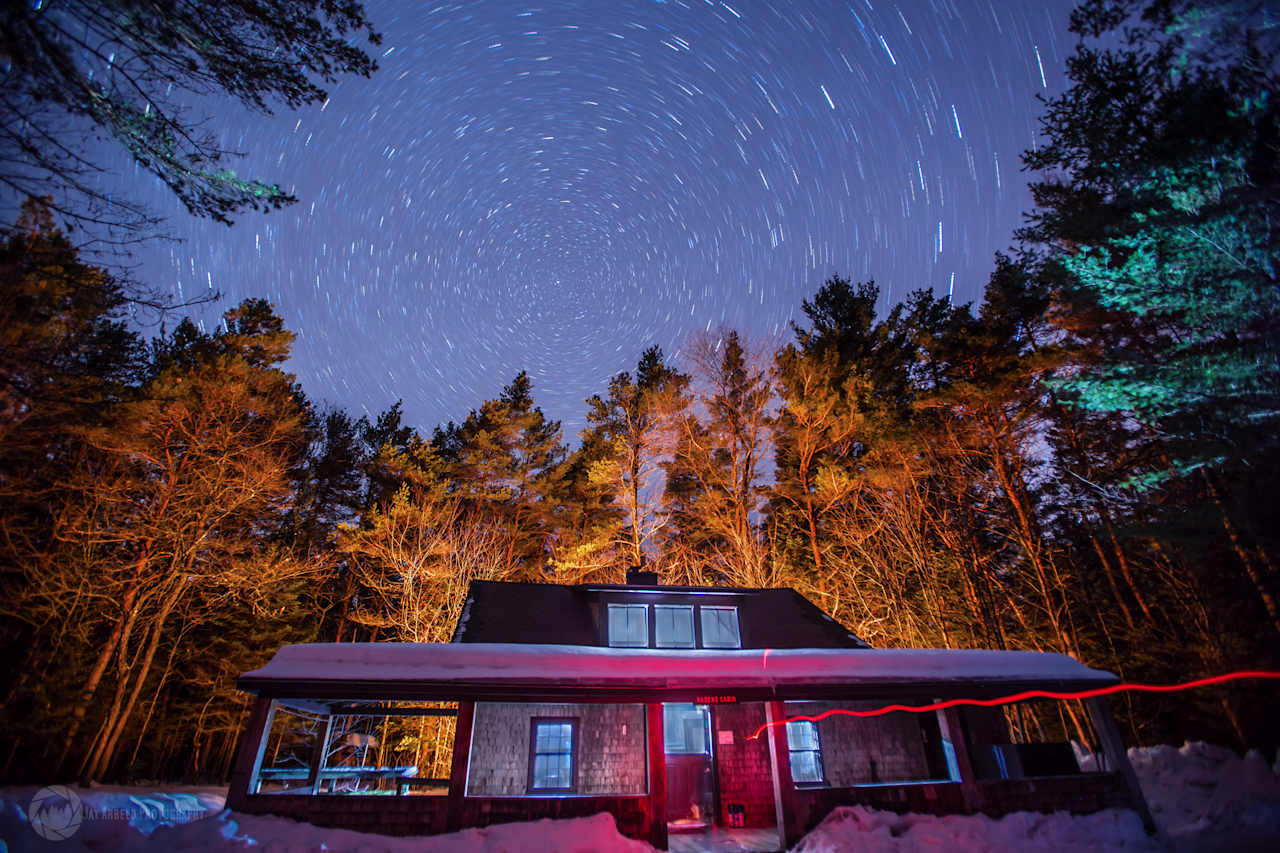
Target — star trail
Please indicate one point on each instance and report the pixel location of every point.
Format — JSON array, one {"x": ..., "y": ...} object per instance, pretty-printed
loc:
[{"x": 555, "y": 187}]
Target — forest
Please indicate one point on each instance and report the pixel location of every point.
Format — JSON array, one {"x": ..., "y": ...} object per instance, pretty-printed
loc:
[{"x": 1084, "y": 462}]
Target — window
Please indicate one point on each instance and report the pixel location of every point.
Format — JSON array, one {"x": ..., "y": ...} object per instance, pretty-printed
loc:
[
  {"x": 629, "y": 626},
  {"x": 686, "y": 729},
  {"x": 551, "y": 758},
  {"x": 806, "y": 752},
  {"x": 673, "y": 626},
  {"x": 720, "y": 628}
]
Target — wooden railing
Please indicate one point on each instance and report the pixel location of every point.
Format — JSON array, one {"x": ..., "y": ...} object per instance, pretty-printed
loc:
[{"x": 402, "y": 777}]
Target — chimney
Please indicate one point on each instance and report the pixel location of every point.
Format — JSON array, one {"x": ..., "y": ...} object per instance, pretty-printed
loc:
[{"x": 638, "y": 577}]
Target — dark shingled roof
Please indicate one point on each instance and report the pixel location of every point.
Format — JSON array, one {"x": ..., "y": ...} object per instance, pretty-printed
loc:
[{"x": 554, "y": 614}]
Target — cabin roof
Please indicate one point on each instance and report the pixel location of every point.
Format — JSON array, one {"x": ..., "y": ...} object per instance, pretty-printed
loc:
[
  {"x": 525, "y": 672},
  {"x": 558, "y": 614}
]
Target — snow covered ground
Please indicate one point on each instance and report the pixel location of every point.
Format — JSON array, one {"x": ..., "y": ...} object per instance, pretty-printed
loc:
[
  {"x": 128, "y": 819},
  {"x": 1205, "y": 798},
  {"x": 862, "y": 829},
  {"x": 1209, "y": 799}
]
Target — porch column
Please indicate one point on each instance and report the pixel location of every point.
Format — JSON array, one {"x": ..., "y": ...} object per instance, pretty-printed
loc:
[
  {"x": 790, "y": 821},
  {"x": 458, "y": 766},
  {"x": 657, "y": 776},
  {"x": 248, "y": 761},
  {"x": 1118, "y": 758},
  {"x": 952, "y": 729},
  {"x": 321, "y": 753}
]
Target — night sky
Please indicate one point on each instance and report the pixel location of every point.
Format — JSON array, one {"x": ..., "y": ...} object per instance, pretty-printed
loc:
[{"x": 556, "y": 187}]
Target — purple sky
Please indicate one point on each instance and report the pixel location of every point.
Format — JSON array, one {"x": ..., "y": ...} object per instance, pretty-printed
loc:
[{"x": 556, "y": 187}]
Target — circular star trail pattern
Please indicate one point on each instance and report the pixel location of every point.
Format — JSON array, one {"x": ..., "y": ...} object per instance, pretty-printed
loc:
[{"x": 554, "y": 188}]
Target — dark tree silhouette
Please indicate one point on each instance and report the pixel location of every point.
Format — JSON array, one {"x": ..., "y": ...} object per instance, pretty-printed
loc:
[{"x": 79, "y": 71}]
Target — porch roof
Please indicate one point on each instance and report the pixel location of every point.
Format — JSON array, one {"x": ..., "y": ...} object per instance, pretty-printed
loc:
[{"x": 526, "y": 672}]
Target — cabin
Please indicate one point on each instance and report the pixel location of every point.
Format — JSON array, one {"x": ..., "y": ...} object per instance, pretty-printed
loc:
[{"x": 702, "y": 718}]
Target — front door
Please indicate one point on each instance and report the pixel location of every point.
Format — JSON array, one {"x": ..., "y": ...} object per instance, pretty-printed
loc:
[{"x": 691, "y": 788}]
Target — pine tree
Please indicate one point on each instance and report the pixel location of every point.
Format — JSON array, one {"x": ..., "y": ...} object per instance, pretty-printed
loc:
[
  {"x": 585, "y": 519},
  {"x": 634, "y": 420},
  {"x": 841, "y": 383},
  {"x": 328, "y": 485},
  {"x": 505, "y": 459},
  {"x": 715, "y": 491},
  {"x": 66, "y": 358},
  {"x": 168, "y": 516},
  {"x": 1163, "y": 206},
  {"x": 64, "y": 344}
]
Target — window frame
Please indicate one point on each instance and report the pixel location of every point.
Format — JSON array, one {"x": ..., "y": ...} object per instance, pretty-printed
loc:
[
  {"x": 702, "y": 625},
  {"x": 573, "y": 723},
  {"x": 645, "y": 643},
  {"x": 693, "y": 626},
  {"x": 703, "y": 713},
  {"x": 816, "y": 751}
]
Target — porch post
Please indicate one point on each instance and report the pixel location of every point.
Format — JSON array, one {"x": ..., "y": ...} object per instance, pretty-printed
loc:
[
  {"x": 1117, "y": 758},
  {"x": 248, "y": 761},
  {"x": 790, "y": 821},
  {"x": 458, "y": 766},
  {"x": 657, "y": 776},
  {"x": 952, "y": 729},
  {"x": 321, "y": 753}
]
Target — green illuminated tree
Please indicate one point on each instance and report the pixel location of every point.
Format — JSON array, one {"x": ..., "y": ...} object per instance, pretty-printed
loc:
[{"x": 1163, "y": 201}]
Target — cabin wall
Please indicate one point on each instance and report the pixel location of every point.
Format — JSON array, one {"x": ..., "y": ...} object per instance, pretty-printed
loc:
[
  {"x": 610, "y": 753},
  {"x": 869, "y": 750}
]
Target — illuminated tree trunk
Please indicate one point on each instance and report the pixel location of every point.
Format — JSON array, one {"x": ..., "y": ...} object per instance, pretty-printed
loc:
[
  {"x": 101, "y": 758},
  {"x": 1246, "y": 559},
  {"x": 95, "y": 676}
]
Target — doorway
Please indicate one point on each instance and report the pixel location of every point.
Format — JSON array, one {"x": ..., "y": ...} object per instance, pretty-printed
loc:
[{"x": 691, "y": 784}]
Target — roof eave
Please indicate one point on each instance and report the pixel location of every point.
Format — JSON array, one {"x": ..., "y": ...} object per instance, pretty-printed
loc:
[{"x": 654, "y": 690}]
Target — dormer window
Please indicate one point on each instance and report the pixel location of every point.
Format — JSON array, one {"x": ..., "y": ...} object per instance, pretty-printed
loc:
[
  {"x": 720, "y": 628},
  {"x": 673, "y": 626},
  {"x": 629, "y": 626}
]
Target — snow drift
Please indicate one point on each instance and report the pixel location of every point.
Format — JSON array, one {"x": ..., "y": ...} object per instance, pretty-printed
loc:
[{"x": 1205, "y": 799}]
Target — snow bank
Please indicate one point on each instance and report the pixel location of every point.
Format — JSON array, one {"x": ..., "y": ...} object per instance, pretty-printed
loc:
[
  {"x": 1209, "y": 798},
  {"x": 862, "y": 829},
  {"x": 1205, "y": 798},
  {"x": 101, "y": 818},
  {"x": 193, "y": 819}
]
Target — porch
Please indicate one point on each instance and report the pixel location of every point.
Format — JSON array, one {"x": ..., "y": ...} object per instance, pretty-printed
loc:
[{"x": 770, "y": 781}]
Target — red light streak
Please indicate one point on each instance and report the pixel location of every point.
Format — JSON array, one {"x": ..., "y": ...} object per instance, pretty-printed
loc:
[{"x": 1027, "y": 694}]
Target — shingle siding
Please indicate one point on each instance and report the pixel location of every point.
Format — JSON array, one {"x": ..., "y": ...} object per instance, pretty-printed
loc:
[
  {"x": 868, "y": 750},
  {"x": 742, "y": 765},
  {"x": 609, "y": 759}
]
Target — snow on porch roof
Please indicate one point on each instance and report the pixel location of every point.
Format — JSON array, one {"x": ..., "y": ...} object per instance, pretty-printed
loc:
[{"x": 507, "y": 670}]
